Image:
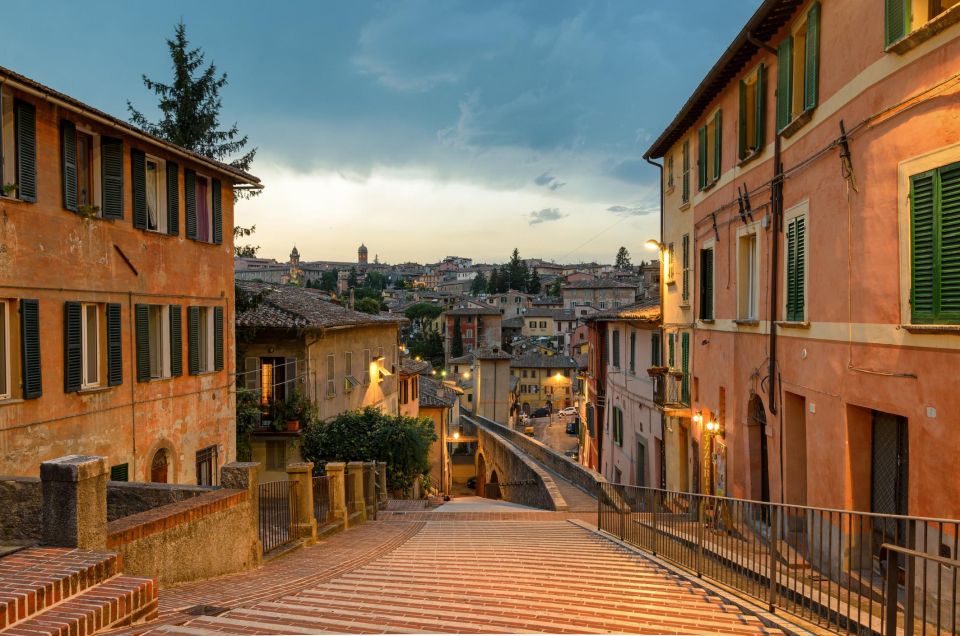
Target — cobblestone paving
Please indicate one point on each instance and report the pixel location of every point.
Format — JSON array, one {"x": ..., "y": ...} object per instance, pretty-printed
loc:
[{"x": 454, "y": 576}]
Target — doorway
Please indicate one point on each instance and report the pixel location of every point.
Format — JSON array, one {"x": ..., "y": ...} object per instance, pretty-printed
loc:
[
  {"x": 159, "y": 466},
  {"x": 795, "y": 448},
  {"x": 641, "y": 476},
  {"x": 757, "y": 441}
]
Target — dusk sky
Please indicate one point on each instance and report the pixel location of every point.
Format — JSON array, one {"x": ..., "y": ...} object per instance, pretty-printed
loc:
[{"x": 422, "y": 129}]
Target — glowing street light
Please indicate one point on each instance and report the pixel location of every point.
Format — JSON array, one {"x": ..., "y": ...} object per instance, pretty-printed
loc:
[{"x": 654, "y": 244}]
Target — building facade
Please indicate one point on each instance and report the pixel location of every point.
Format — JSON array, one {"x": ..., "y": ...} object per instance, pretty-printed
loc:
[
  {"x": 822, "y": 308},
  {"x": 548, "y": 381},
  {"x": 478, "y": 326},
  {"x": 116, "y": 312},
  {"x": 597, "y": 295}
]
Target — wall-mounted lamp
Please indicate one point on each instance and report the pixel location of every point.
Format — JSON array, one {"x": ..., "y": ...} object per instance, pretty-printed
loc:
[
  {"x": 654, "y": 244},
  {"x": 456, "y": 435},
  {"x": 697, "y": 419}
]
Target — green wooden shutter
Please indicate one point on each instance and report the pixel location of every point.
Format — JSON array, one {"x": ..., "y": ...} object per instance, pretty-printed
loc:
[
  {"x": 796, "y": 257},
  {"x": 685, "y": 354},
  {"x": 190, "y": 196},
  {"x": 218, "y": 338},
  {"x": 670, "y": 344},
  {"x": 686, "y": 170},
  {"x": 114, "y": 346},
  {"x": 138, "y": 185},
  {"x": 742, "y": 122},
  {"x": 784, "y": 83},
  {"x": 923, "y": 251},
  {"x": 68, "y": 164},
  {"x": 706, "y": 284},
  {"x": 761, "y": 106},
  {"x": 30, "y": 348},
  {"x": 111, "y": 181},
  {"x": 173, "y": 198},
  {"x": 949, "y": 231},
  {"x": 120, "y": 472},
  {"x": 811, "y": 69},
  {"x": 25, "y": 144},
  {"x": 142, "y": 328},
  {"x": 193, "y": 340},
  {"x": 685, "y": 284},
  {"x": 176, "y": 341},
  {"x": 896, "y": 20},
  {"x": 72, "y": 346},
  {"x": 717, "y": 143},
  {"x": 702, "y": 155},
  {"x": 655, "y": 357},
  {"x": 217, "y": 211}
]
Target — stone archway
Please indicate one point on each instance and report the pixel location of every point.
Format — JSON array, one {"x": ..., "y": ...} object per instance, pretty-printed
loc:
[
  {"x": 757, "y": 446},
  {"x": 493, "y": 488}
]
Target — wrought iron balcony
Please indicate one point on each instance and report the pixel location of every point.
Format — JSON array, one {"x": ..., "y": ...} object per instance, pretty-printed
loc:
[{"x": 671, "y": 390}]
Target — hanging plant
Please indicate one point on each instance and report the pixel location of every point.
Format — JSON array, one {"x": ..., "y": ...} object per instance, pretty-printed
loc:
[{"x": 89, "y": 211}]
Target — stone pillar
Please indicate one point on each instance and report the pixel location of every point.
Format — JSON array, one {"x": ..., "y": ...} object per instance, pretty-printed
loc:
[
  {"x": 382, "y": 477},
  {"x": 243, "y": 476},
  {"x": 355, "y": 486},
  {"x": 369, "y": 486},
  {"x": 301, "y": 473},
  {"x": 338, "y": 491},
  {"x": 75, "y": 502}
]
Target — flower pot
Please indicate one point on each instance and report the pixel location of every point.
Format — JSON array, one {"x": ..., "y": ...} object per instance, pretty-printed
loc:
[{"x": 293, "y": 425}]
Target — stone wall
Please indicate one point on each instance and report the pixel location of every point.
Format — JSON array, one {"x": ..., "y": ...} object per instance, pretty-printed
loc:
[
  {"x": 207, "y": 535},
  {"x": 21, "y": 501},
  {"x": 130, "y": 498},
  {"x": 535, "y": 488}
]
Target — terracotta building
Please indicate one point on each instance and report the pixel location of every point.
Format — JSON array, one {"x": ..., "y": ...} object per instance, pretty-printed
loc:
[
  {"x": 116, "y": 293},
  {"x": 480, "y": 326},
  {"x": 818, "y": 314}
]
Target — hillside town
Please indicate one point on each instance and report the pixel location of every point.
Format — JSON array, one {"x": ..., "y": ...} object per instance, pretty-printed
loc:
[{"x": 746, "y": 413}]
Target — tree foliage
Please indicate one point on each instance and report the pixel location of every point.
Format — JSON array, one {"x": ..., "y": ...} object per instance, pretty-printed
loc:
[
  {"x": 456, "y": 347},
  {"x": 479, "y": 284},
  {"x": 190, "y": 108},
  {"x": 368, "y": 306},
  {"x": 244, "y": 251},
  {"x": 422, "y": 314},
  {"x": 427, "y": 345},
  {"x": 623, "y": 259},
  {"x": 371, "y": 435}
]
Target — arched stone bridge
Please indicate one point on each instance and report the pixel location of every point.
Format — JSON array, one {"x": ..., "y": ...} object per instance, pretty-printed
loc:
[{"x": 516, "y": 468}]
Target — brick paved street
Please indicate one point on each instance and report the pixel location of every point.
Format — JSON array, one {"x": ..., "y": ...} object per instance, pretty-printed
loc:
[{"x": 451, "y": 575}]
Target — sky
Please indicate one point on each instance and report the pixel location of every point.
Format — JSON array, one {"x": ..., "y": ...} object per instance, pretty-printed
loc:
[{"x": 420, "y": 128}]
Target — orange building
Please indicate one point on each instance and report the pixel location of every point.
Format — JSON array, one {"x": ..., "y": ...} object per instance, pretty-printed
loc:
[
  {"x": 116, "y": 293},
  {"x": 819, "y": 311}
]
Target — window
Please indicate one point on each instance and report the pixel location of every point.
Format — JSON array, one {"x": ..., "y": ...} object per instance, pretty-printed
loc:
[
  {"x": 670, "y": 172},
  {"x": 656, "y": 357},
  {"x": 533, "y": 324},
  {"x": 90, "y": 329},
  {"x": 685, "y": 193},
  {"x": 331, "y": 375},
  {"x": 798, "y": 70},
  {"x": 204, "y": 210},
  {"x": 543, "y": 324},
  {"x": 685, "y": 256},
  {"x": 668, "y": 263},
  {"x": 633, "y": 352},
  {"x": 207, "y": 466},
  {"x": 155, "y": 221},
  {"x": 158, "y": 339},
  {"x": 204, "y": 216},
  {"x": 615, "y": 348},
  {"x": 671, "y": 341},
  {"x": 685, "y": 367},
  {"x": 708, "y": 168},
  {"x": 366, "y": 367},
  {"x": 120, "y": 472},
  {"x": 752, "y": 107},
  {"x": 617, "y": 416},
  {"x": 19, "y": 150},
  {"x": 205, "y": 327},
  {"x": 84, "y": 168},
  {"x": 935, "y": 245},
  {"x": 706, "y": 283},
  {"x": 903, "y": 17},
  {"x": 796, "y": 272},
  {"x": 748, "y": 277},
  {"x": 4, "y": 350},
  {"x": 349, "y": 380}
]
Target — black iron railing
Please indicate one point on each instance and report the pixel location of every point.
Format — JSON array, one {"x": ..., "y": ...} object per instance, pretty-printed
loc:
[
  {"x": 278, "y": 514},
  {"x": 322, "y": 510},
  {"x": 842, "y": 570},
  {"x": 670, "y": 390}
]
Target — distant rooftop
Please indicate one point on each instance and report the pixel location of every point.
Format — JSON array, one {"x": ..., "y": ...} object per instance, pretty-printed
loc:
[{"x": 292, "y": 307}]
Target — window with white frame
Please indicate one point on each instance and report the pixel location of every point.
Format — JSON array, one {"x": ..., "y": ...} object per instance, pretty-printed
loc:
[
  {"x": 158, "y": 341},
  {"x": 156, "y": 194},
  {"x": 331, "y": 375},
  {"x": 205, "y": 348},
  {"x": 366, "y": 367},
  {"x": 748, "y": 273},
  {"x": 90, "y": 345}
]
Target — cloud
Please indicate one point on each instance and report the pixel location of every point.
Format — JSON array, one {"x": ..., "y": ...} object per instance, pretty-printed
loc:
[
  {"x": 545, "y": 215},
  {"x": 631, "y": 210},
  {"x": 547, "y": 180}
]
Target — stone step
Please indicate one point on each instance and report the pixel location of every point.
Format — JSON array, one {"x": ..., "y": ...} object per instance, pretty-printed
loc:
[
  {"x": 118, "y": 601},
  {"x": 36, "y": 579}
]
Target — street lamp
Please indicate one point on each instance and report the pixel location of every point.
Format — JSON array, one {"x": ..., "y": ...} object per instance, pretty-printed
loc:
[{"x": 654, "y": 244}]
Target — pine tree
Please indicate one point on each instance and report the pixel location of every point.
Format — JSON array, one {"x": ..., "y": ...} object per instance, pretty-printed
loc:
[
  {"x": 493, "y": 285},
  {"x": 533, "y": 285},
  {"x": 517, "y": 272},
  {"x": 479, "y": 285},
  {"x": 456, "y": 347},
  {"x": 352, "y": 278},
  {"x": 623, "y": 259},
  {"x": 190, "y": 108}
]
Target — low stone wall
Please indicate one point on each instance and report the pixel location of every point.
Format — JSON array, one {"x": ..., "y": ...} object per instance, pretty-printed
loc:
[
  {"x": 536, "y": 487},
  {"x": 207, "y": 535},
  {"x": 571, "y": 471},
  {"x": 21, "y": 501},
  {"x": 129, "y": 498}
]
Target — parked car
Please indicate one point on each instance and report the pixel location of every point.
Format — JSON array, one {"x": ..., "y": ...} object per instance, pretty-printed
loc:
[
  {"x": 528, "y": 430},
  {"x": 572, "y": 454},
  {"x": 541, "y": 412},
  {"x": 570, "y": 410},
  {"x": 573, "y": 427}
]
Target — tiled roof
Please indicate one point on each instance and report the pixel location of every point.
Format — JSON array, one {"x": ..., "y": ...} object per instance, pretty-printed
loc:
[
  {"x": 491, "y": 354},
  {"x": 434, "y": 394},
  {"x": 548, "y": 300},
  {"x": 292, "y": 307},
  {"x": 409, "y": 366},
  {"x": 646, "y": 310},
  {"x": 464, "y": 359},
  {"x": 513, "y": 323},
  {"x": 600, "y": 283},
  {"x": 473, "y": 311},
  {"x": 534, "y": 360},
  {"x": 556, "y": 314}
]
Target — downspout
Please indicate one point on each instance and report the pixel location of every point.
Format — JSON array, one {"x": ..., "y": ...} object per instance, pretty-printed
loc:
[
  {"x": 663, "y": 419},
  {"x": 776, "y": 211}
]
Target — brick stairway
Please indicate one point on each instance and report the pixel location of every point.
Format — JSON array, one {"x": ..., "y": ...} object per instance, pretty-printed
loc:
[
  {"x": 493, "y": 577},
  {"x": 69, "y": 592}
]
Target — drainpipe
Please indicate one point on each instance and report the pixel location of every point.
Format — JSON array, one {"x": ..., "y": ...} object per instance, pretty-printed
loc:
[
  {"x": 776, "y": 211},
  {"x": 663, "y": 425}
]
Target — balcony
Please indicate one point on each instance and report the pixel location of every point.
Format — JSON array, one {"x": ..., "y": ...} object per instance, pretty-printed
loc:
[{"x": 671, "y": 392}]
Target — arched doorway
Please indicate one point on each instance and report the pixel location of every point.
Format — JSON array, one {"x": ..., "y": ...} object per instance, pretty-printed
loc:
[
  {"x": 757, "y": 445},
  {"x": 481, "y": 475},
  {"x": 159, "y": 467},
  {"x": 493, "y": 488}
]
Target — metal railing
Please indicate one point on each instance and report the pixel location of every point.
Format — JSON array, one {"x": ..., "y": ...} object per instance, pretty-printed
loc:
[
  {"x": 322, "y": 510},
  {"x": 840, "y": 569},
  {"x": 278, "y": 514},
  {"x": 668, "y": 390}
]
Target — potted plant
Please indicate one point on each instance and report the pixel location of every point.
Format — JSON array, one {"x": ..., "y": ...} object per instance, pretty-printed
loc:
[
  {"x": 296, "y": 409},
  {"x": 656, "y": 370}
]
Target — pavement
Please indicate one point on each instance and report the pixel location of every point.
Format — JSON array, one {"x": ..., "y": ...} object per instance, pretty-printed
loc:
[
  {"x": 553, "y": 432},
  {"x": 449, "y": 575},
  {"x": 479, "y": 504}
]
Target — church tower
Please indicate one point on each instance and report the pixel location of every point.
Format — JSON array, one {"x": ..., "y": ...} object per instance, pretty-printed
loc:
[{"x": 362, "y": 254}]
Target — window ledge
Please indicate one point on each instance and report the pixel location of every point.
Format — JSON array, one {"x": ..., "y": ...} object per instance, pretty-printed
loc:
[
  {"x": 706, "y": 321},
  {"x": 669, "y": 189},
  {"x": 932, "y": 329},
  {"x": 747, "y": 322},
  {"x": 93, "y": 389},
  {"x": 793, "y": 324},
  {"x": 684, "y": 206},
  {"x": 910, "y": 41},
  {"x": 798, "y": 122},
  {"x": 709, "y": 185},
  {"x": 684, "y": 305},
  {"x": 753, "y": 155},
  {"x": 10, "y": 401}
]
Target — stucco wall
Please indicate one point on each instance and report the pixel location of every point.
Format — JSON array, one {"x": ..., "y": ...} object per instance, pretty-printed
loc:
[{"x": 21, "y": 501}]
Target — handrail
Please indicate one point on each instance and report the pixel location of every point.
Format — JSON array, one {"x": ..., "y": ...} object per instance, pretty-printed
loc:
[{"x": 891, "y": 583}]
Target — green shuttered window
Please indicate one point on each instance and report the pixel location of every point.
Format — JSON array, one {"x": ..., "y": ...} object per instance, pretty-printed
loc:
[
  {"x": 120, "y": 472},
  {"x": 685, "y": 256},
  {"x": 193, "y": 340},
  {"x": 811, "y": 61},
  {"x": 752, "y": 112},
  {"x": 656, "y": 358},
  {"x": 685, "y": 362},
  {"x": 72, "y": 346},
  {"x": 798, "y": 69},
  {"x": 30, "y": 348},
  {"x": 617, "y": 415},
  {"x": 710, "y": 151},
  {"x": 68, "y": 157},
  {"x": 685, "y": 195},
  {"x": 138, "y": 186},
  {"x": 111, "y": 170},
  {"x": 218, "y": 338},
  {"x": 796, "y": 268},
  {"x": 114, "y": 345},
  {"x": 217, "y": 211},
  {"x": 176, "y": 341},
  {"x": 173, "y": 198},
  {"x": 142, "y": 328},
  {"x": 671, "y": 360},
  {"x": 702, "y": 156},
  {"x": 706, "y": 284},
  {"x": 25, "y": 146},
  {"x": 896, "y": 20},
  {"x": 190, "y": 202},
  {"x": 935, "y": 246}
]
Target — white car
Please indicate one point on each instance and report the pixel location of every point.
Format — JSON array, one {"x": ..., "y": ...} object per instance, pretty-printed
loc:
[{"x": 570, "y": 410}]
